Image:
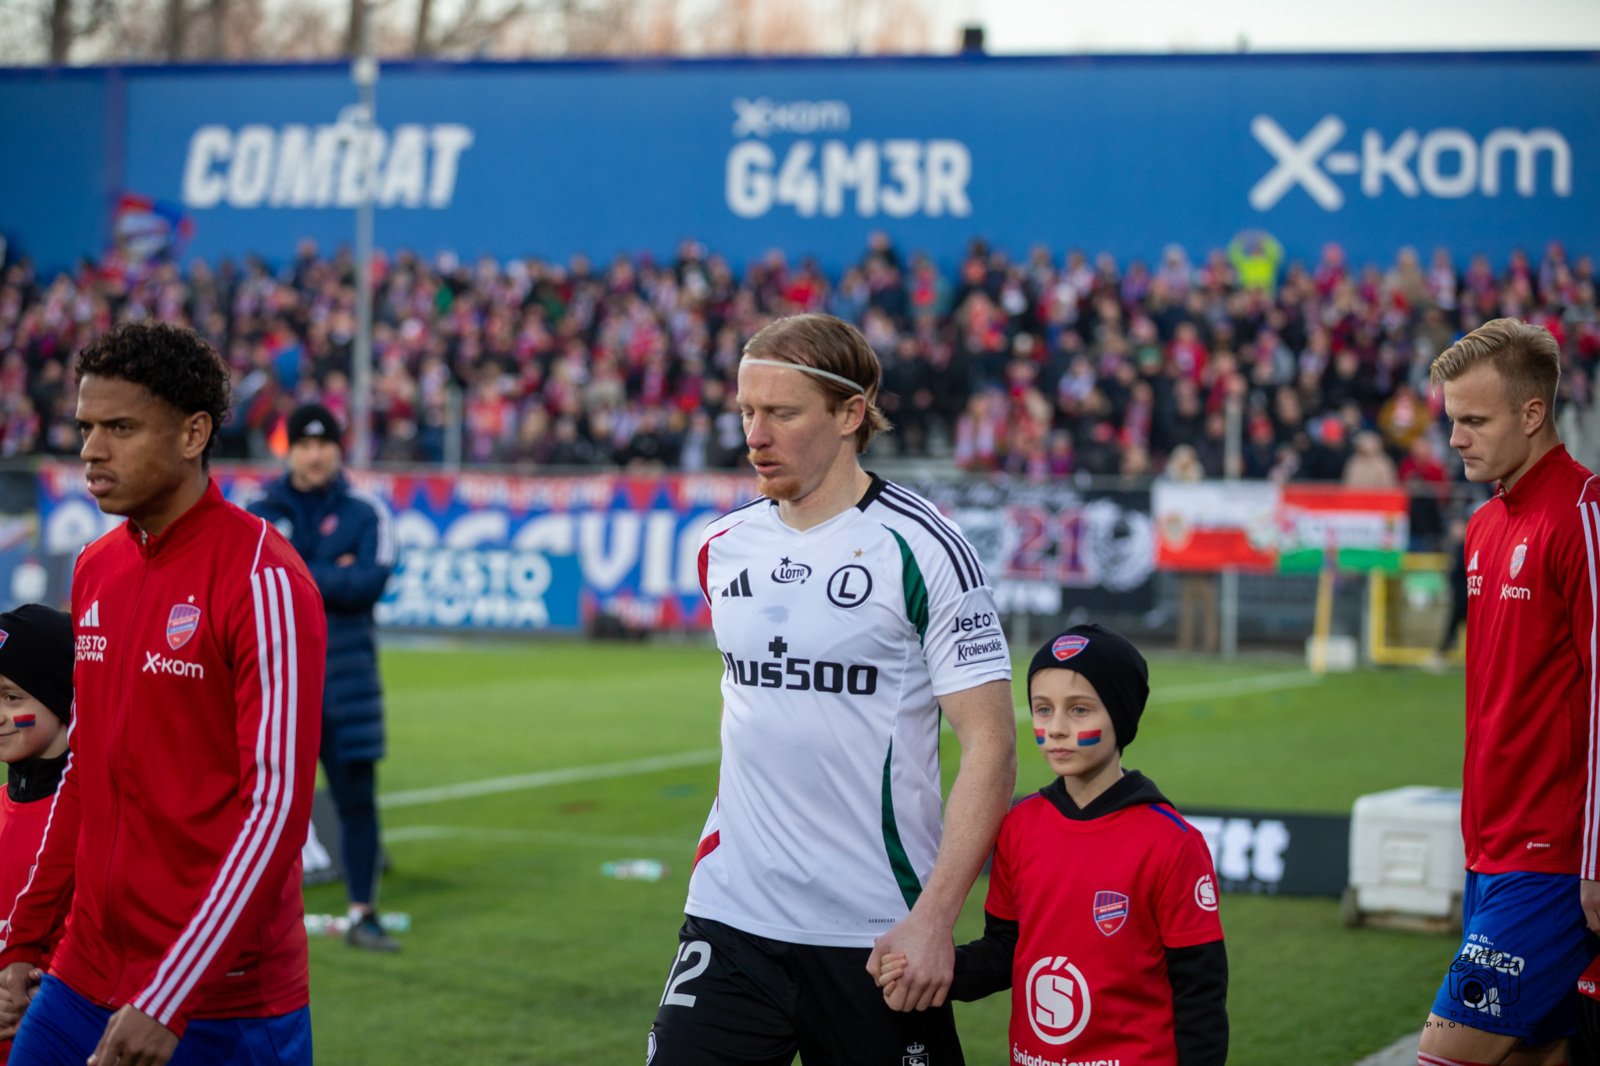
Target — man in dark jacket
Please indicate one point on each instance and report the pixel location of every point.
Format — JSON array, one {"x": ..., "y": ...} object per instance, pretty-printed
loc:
[{"x": 345, "y": 539}]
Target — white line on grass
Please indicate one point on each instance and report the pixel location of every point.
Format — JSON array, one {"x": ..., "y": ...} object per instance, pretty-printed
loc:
[
  {"x": 545, "y": 778},
  {"x": 1243, "y": 686},
  {"x": 1238, "y": 686},
  {"x": 520, "y": 836}
]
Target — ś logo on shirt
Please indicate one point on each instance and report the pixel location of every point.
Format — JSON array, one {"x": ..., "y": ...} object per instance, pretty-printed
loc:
[{"x": 1057, "y": 999}]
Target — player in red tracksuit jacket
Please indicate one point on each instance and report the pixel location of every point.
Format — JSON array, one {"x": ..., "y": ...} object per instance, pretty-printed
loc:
[
  {"x": 1529, "y": 814},
  {"x": 179, "y": 822}
]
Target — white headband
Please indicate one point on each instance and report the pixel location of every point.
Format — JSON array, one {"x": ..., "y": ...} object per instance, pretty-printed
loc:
[{"x": 830, "y": 375}]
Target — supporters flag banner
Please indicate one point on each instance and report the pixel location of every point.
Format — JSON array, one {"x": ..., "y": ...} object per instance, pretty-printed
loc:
[
  {"x": 1211, "y": 525},
  {"x": 561, "y": 554},
  {"x": 1263, "y": 527},
  {"x": 1367, "y": 528},
  {"x": 1050, "y": 545},
  {"x": 1475, "y": 152}
]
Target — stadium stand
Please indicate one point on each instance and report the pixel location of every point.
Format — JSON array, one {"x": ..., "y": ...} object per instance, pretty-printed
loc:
[{"x": 1041, "y": 365}]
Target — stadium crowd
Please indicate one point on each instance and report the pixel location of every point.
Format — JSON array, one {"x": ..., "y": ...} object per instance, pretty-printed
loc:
[{"x": 1042, "y": 366}]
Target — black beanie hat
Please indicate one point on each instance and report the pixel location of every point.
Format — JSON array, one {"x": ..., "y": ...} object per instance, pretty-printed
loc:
[
  {"x": 36, "y": 654},
  {"x": 1111, "y": 664},
  {"x": 314, "y": 421}
]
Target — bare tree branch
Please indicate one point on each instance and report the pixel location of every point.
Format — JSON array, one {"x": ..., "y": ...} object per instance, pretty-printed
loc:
[
  {"x": 176, "y": 29},
  {"x": 62, "y": 31}
]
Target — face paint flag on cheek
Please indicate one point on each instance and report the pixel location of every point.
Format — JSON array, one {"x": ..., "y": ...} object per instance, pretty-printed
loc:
[
  {"x": 1088, "y": 738},
  {"x": 1038, "y": 737},
  {"x": 24, "y": 721}
]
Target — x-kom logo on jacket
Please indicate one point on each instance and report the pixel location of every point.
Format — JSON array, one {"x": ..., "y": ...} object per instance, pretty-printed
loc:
[{"x": 156, "y": 663}]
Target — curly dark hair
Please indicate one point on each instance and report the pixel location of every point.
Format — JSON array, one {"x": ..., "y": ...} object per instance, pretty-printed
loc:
[{"x": 175, "y": 364}]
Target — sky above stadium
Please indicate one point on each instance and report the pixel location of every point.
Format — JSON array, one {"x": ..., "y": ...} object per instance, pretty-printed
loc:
[{"x": 1048, "y": 26}]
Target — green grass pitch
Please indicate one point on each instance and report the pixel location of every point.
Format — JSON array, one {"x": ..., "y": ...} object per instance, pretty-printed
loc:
[{"x": 522, "y": 953}]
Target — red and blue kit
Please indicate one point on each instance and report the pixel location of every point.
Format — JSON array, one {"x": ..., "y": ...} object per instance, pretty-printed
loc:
[
  {"x": 22, "y": 826},
  {"x": 24, "y": 813},
  {"x": 1103, "y": 922},
  {"x": 177, "y": 828},
  {"x": 1529, "y": 784}
]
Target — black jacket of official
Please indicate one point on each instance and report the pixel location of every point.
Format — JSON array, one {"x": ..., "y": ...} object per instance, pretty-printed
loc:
[{"x": 325, "y": 525}]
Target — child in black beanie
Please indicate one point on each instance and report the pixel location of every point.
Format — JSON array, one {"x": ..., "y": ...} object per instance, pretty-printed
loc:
[{"x": 1102, "y": 906}]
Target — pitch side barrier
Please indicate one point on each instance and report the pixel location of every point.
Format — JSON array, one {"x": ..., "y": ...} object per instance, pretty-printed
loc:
[{"x": 1475, "y": 152}]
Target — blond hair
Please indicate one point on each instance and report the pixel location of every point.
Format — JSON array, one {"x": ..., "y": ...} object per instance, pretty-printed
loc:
[
  {"x": 1526, "y": 356},
  {"x": 830, "y": 344}
]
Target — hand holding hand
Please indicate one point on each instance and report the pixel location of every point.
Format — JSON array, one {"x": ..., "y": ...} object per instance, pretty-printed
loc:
[{"x": 930, "y": 962}]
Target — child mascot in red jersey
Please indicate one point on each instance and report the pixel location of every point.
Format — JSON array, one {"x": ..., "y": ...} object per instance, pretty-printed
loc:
[{"x": 1102, "y": 907}]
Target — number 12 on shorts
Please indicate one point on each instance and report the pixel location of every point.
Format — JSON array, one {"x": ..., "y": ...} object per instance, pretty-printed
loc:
[{"x": 693, "y": 958}]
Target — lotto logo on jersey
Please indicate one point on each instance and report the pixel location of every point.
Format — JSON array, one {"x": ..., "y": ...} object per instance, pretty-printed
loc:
[
  {"x": 788, "y": 572},
  {"x": 1057, "y": 999}
]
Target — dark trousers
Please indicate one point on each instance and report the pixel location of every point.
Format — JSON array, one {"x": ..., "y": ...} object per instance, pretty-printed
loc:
[{"x": 354, "y": 786}]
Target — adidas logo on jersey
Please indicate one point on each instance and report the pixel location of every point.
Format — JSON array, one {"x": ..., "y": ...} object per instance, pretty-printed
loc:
[
  {"x": 90, "y": 618},
  {"x": 1472, "y": 566},
  {"x": 738, "y": 587}
]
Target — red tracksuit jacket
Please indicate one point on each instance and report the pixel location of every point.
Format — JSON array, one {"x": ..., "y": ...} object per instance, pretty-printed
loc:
[
  {"x": 1528, "y": 786},
  {"x": 179, "y": 821},
  {"x": 22, "y": 827}
]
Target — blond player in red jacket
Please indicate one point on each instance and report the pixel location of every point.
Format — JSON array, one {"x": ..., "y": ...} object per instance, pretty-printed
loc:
[
  {"x": 178, "y": 824},
  {"x": 1530, "y": 819}
]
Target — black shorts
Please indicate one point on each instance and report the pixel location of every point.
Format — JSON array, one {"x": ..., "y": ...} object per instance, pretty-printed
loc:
[{"x": 735, "y": 999}]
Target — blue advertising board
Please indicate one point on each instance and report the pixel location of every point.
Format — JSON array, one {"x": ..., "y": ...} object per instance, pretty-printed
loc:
[
  {"x": 1475, "y": 152},
  {"x": 570, "y": 554},
  {"x": 485, "y": 551}
]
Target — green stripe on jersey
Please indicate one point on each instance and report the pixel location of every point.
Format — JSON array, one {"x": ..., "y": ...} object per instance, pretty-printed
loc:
[
  {"x": 899, "y": 861},
  {"x": 916, "y": 589}
]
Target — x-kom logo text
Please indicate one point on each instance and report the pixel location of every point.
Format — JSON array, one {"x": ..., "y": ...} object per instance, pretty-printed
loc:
[
  {"x": 1447, "y": 163},
  {"x": 155, "y": 663}
]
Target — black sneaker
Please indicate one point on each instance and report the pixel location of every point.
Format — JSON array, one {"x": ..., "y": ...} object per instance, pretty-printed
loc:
[{"x": 368, "y": 934}]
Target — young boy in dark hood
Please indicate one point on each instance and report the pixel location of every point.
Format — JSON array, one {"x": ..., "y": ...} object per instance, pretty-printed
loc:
[{"x": 1102, "y": 907}]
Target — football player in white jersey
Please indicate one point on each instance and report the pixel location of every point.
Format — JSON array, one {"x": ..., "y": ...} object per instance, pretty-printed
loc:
[{"x": 851, "y": 617}]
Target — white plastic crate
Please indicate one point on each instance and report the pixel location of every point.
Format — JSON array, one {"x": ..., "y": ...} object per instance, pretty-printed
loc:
[{"x": 1407, "y": 864}]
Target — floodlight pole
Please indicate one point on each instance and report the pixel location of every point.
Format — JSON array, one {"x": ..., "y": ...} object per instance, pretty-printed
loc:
[
  {"x": 364, "y": 72},
  {"x": 1232, "y": 470}
]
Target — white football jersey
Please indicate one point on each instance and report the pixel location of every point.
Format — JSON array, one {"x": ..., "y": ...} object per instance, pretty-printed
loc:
[{"x": 836, "y": 643}]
